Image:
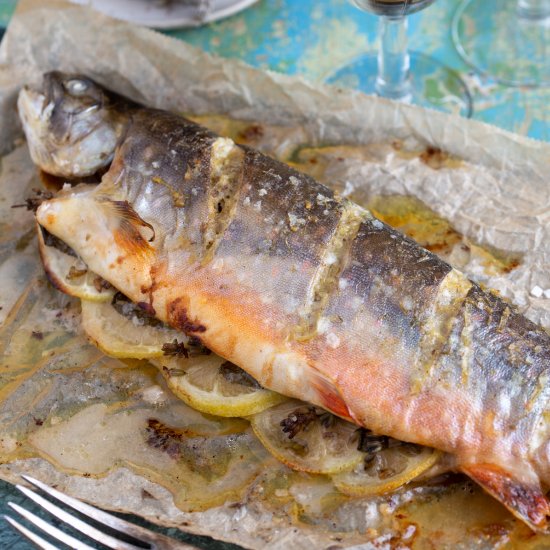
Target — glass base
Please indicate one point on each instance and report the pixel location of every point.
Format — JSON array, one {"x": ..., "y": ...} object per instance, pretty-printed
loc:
[
  {"x": 432, "y": 84},
  {"x": 500, "y": 41}
]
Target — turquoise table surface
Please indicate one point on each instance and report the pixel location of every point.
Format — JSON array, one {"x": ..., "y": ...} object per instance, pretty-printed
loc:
[{"x": 313, "y": 37}]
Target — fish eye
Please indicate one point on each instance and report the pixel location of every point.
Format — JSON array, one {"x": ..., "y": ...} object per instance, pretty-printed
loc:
[{"x": 76, "y": 87}]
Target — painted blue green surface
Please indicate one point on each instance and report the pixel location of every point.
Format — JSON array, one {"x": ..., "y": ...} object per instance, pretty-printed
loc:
[{"x": 312, "y": 38}]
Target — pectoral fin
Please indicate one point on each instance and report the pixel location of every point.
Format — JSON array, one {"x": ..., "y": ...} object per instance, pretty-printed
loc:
[
  {"x": 329, "y": 395},
  {"x": 526, "y": 502},
  {"x": 128, "y": 234},
  {"x": 81, "y": 217}
]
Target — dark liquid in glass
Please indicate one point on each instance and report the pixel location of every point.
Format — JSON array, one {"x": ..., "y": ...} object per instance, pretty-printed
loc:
[{"x": 392, "y": 8}]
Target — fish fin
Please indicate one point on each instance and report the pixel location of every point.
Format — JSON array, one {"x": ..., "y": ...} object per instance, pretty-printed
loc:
[
  {"x": 330, "y": 395},
  {"x": 128, "y": 234},
  {"x": 527, "y": 503}
]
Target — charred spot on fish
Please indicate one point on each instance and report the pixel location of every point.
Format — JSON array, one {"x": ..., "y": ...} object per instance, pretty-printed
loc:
[
  {"x": 235, "y": 375},
  {"x": 298, "y": 421},
  {"x": 33, "y": 202},
  {"x": 175, "y": 349},
  {"x": 179, "y": 319}
]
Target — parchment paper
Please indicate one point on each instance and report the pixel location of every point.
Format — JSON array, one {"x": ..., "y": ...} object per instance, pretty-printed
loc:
[{"x": 498, "y": 194}]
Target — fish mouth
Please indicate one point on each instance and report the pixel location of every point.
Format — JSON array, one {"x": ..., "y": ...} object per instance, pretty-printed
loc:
[
  {"x": 35, "y": 114},
  {"x": 31, "y": 105}
]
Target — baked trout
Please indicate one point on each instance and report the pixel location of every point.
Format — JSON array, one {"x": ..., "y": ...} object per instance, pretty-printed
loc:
[{"x": 304, "y": 290}]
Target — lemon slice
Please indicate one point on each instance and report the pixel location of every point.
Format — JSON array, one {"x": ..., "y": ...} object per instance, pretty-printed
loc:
[
  {"x": 307, "y": 438},
  {"x": 212, "y": 385},
  {"x": 386, "y": 469},
  {"x": 70, "y": 275},
  {"x": 120, "y": 336}
]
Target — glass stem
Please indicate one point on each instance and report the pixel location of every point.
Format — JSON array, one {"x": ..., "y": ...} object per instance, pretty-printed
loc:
[
  {"x": 534, "y": 9},
  {"x": 393, "y": 80}
]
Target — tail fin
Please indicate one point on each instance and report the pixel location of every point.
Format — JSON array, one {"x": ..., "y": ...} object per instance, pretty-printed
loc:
[{"x": 527, "y": 503}]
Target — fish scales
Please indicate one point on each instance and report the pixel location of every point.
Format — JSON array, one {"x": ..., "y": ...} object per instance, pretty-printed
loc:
[{"x": 312, "y": 296}]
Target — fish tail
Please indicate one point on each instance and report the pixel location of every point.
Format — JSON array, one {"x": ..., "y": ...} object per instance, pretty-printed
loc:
[{"x": 527, "y": 502}]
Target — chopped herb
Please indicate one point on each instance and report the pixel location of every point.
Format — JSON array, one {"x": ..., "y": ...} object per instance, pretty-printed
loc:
[
  {"x": 298, "y": 421},
  {"x": 101, "y": 284},
  {"x": 35, "y": 200},
  {"x": 176, "y": 349},
  {"x": 371, "y": 443},
  {"x": 173, "y": 372},
  {"x": 75, "y": 273}
]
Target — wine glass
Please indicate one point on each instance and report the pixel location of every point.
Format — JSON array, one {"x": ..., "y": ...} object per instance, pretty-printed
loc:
[
  {"x": 508, "y": 40},
  {"x": 398, "y": 74}
]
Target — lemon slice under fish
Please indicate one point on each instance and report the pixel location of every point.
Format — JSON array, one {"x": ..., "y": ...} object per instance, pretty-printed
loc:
[
  {"x": 302, "y": 436},
  {"x": 387, "y": 469},
  {"x": 125, "y": 336},
  {"x": 213, "y": 385},
  {"x": 307, "y": 438},
  {"x": 70, "y": 275}
]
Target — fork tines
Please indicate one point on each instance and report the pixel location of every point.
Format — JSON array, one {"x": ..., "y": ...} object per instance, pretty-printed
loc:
[{"x": 145, "y": 539}]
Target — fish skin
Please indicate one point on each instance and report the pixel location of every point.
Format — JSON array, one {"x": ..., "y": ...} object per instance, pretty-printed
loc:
[{"x": 402, "y": 343}]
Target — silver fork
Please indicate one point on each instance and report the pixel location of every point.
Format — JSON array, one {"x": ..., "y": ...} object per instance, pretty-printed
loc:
[{"x": 148, "y": 539}]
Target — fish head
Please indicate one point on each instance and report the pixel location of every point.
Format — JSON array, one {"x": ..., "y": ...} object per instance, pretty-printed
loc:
[{"x": 72, "y": 125}]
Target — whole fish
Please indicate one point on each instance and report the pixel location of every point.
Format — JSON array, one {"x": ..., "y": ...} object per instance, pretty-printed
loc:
[{"x": 304, "y": 290}]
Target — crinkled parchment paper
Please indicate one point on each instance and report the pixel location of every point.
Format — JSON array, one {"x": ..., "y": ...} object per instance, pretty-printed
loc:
[{"x": 491, "y": 186}]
